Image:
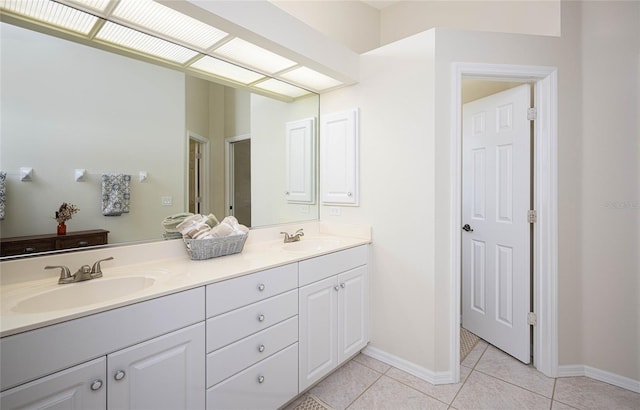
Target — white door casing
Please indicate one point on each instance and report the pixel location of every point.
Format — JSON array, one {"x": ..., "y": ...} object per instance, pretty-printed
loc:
[{"x": 495, "y": 202}]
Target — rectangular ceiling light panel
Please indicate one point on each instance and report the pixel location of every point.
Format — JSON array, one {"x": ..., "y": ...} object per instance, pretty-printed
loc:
[
  {"x": 95, "y": 5},
  {"x": 227, "y": 70},
  {"x": 167, "y": 21},
  {"x": 129, "y": 38},
  {"x": 247, "y": 54},
  {"x": 280, "y": 87},
  {"x": 52, "y": 13},
  {"x": 310, "y": 78}
]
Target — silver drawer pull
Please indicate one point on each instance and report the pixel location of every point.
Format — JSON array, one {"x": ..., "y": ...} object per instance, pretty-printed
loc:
[
  {"x": 336, "y": 288},
  {"x": 261, "y": 287},
  {"x": 260, "y": 318},
  {"x": 119, "y": 375},
  {"x": 96, "y": 385},
  {"x": 261, "y": 348},
  {"x": 260, "y": 379},
  {"x": 342, "y": 285},
  {"x": 83, "y": 243}
]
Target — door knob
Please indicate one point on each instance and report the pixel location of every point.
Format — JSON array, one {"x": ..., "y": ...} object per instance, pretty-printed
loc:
[{"x": 467, "y": 228}]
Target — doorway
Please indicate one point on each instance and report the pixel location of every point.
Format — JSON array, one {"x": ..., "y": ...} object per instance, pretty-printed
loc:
[
  {"x": 238, "y": 176},
  {"x": 545, "y": 176},
  {"x": 497, "y": 195},
  {"x": 198, "y": 166}
]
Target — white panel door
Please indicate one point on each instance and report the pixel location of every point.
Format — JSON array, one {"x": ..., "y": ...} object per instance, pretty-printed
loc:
[
  {"x": 317, "y": 315},
  {"x": 300, "y": 146},
  {"x": 496, "y": 238},
  {"x": 167, "y": 372},
  {"x": 353, "y": 312},
  {"x": 78, "y": 388},
  {"x": 339, "y": 157}
]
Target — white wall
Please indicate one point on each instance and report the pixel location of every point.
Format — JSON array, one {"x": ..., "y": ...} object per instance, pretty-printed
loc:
[{"x": 67, "y": 106}]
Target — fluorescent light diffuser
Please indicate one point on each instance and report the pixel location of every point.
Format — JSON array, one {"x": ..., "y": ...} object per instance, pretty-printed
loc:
[
  {"x": 280, "y": 87},
  {"x": 96, "y": 5},
  {"x": 226, "y": 70},
  {"x": 126, "y": 37},
  {"x": 52, "y": 13},
  {"x": 164, "y": 20},
  {"x": 248, "y": 54},
  {"x": 310, "y": 78}
]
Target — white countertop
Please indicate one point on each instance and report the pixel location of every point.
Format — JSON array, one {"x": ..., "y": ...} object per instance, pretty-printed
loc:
[{"x": 167, "y": 263}]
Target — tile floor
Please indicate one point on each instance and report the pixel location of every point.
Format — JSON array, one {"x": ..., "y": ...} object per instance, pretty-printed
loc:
[{"x": 489, "y": 379}]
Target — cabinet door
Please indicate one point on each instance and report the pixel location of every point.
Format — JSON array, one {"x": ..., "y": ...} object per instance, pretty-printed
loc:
[
  {"x": 318, "y": 324},
  {"x": 301, "y": 163},
  {"x": 353, "y": 312},
  {"x": 167, "y": 372},
  {"x": 78, "y": 388},
  {"x": 339, "y": 157}
]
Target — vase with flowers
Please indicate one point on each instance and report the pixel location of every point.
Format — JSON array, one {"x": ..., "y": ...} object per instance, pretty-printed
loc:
[{"x": 63, "y": 214}]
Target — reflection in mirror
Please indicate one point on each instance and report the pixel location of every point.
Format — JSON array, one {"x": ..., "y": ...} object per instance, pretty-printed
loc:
[{"x": 67, "y": 106}]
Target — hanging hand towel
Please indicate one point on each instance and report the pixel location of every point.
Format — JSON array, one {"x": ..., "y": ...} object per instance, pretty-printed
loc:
[
  {"x": 115, "y": 194},
  {"x": 3, "y": 193}
]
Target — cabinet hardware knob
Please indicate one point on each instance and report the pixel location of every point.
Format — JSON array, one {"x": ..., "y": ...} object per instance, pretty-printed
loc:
[
  {"x": 260, "y": 318},
  {"x": 96, "y": 385},
  {"x": 337, "y": 288},
  {"x": 29, "y": 250},
  {"x": 343, "y": 285},
  {"x": 261, "y": 348},
  {"x": 349, "y": 194},
  {"x": 286, "y": 193},
  {"x": 261, "y": 287},
  {"x": 260, "y": 379},
  {"x": 119, "y": 375},
  {"x": 83, "y": 243}
]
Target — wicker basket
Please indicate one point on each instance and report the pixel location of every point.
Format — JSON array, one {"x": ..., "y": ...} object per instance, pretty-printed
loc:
[{"x": 201, "y": 249}]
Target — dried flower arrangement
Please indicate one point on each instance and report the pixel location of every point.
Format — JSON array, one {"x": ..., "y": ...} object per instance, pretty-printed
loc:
[{"x": 65, "y": 212}]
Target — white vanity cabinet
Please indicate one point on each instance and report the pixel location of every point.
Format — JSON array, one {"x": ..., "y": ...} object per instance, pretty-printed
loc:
[
  {"x": 148, "y": 355},
  {"x": 333, "y": 312},
  {"x": 252, "y": 340}
]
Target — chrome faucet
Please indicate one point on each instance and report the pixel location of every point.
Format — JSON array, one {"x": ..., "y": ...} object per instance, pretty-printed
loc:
[
  {"x": 292, "y": 238},
  {"x": 84, "y": 272}
]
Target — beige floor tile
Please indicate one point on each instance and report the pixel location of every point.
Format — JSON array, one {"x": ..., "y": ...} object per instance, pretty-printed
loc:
[
  {"x": 389, "y": 394},
  {"x": 343, "y": 386},
  {"x": 482, "y": 391},
  {"x": 473, "y": 357},
  {"x": 442, "y": 392},
  {"x": 498, "y": 364},
  {"x": 372, "y": 363},
  {"x": 556, "y": 405},
  {"x": 586, "y": 393}
]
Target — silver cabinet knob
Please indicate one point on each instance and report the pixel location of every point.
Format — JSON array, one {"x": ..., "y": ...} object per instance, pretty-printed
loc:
[
  {"x": 260, "y": 318},
  {"x": 349, "y": 194},
  {"x": 261, "y": 348},
  {"x": 96, "y": 385},
  {"x": 260, "y": 379},
  {"x": 336, "y": 288},
  {"x": 286, "y": 193},
  {"x": 119, "y": 375},
  {"x": 261, "y": 287},
  {"x": 343, "y": 285}
]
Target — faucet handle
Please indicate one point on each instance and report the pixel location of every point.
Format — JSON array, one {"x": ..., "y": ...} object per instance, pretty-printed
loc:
[
  {"x": 96, "y": 272},
  {"x": 65, "y": 273},
  {"x": 299, "y": 232}
]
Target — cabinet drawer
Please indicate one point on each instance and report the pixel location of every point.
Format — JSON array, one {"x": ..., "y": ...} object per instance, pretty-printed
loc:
[
  {"x": 315, "y": 269},
  {"x": 237, "y": 292},
  {"x": 230, "y": 360},
  {"x": 78, "y": 242},
  {"x": 266, "y": 385},
  {"x": 24, "y": 247},
  {"x": 229, "y": 327}
]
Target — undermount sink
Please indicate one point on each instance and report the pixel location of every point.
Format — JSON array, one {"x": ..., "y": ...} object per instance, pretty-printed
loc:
[
  {"x": 83, "y": 293},
  {"x": 311, "y": 244}
]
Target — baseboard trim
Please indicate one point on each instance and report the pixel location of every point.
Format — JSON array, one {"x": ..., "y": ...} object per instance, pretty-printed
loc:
[
  {"x": 597, "y": 374},
  {"x": 409, "y": 367}
]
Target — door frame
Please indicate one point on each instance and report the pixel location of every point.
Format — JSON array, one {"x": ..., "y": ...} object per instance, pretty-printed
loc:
[
  {"x": 204, "y": 177},
  {"x": 228, "y": 169},
  {"x": 545, "y": 193}
]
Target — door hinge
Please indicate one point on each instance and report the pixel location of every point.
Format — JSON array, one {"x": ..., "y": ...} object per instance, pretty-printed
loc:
[
  {"x": 532, "y": 216},
  {"x": 532, "y": 319},
  {"x": 532, "y": 113}
]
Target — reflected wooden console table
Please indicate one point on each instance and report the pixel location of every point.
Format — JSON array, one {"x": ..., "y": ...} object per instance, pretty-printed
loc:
[{"x": 22, "y": 245}]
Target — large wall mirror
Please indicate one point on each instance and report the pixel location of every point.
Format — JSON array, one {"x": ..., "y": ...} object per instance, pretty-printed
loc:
[{"x": 67, "y": 106}]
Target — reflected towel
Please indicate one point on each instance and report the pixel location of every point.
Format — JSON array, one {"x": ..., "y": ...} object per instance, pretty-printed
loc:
[
  {"x": 116, "y": 194},
  {"x": 3, "y": 193}
]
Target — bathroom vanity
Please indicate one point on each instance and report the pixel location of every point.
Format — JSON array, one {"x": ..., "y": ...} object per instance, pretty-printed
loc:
[{"x": 252, "y": 330}]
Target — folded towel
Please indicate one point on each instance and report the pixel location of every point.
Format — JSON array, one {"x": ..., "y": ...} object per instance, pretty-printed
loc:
[
  {"x": 212, "y": 220},
  {"x": 199, "y": 227},
  {"x": 3, "y": 193},
  {"x": 171, "y": 222},
  {"x": 116, "y": 194}
]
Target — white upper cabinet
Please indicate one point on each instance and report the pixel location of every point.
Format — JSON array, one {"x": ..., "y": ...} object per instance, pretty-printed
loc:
[
  {"x": 339, "y": 157},
  {"x": 301, "y": 162}
]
